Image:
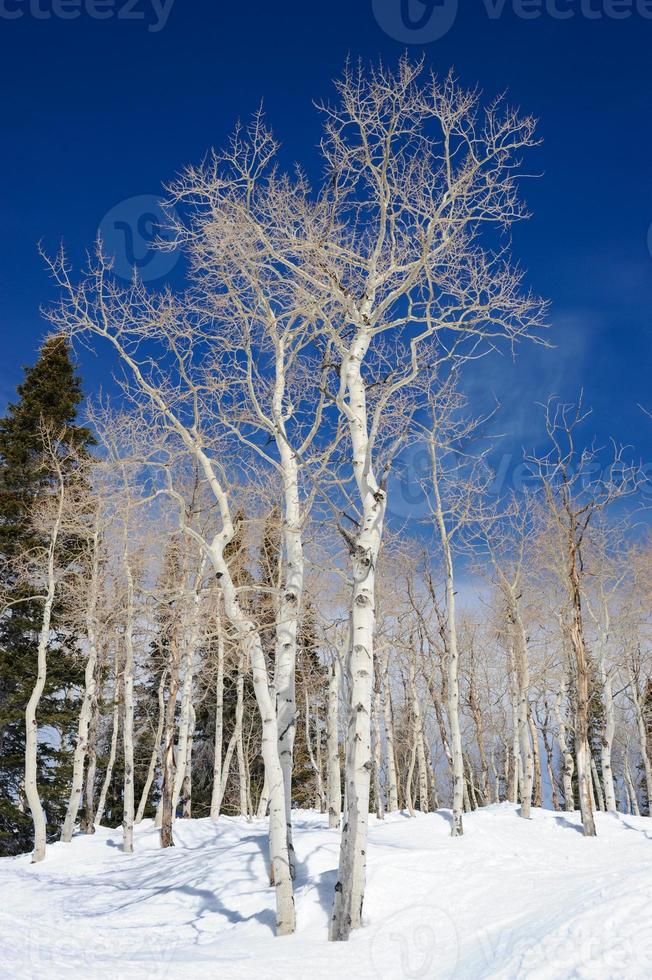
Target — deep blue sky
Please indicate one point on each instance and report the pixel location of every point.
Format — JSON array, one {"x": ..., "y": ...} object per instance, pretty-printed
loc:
[{"x": 96, "y": 111}]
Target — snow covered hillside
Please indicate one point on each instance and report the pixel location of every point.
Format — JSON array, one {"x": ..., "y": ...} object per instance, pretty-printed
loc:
[{"x": 512, "y": 898}]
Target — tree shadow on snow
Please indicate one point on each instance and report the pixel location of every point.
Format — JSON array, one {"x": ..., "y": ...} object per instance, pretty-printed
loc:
[{"x": 565, "y": 822}]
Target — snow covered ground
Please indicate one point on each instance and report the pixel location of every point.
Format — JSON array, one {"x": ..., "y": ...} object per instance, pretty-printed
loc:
[{"x": 511, "y": 899}]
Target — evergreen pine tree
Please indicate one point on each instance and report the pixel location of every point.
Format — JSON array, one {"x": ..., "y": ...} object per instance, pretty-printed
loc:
[{"x": 49, "y": 395}]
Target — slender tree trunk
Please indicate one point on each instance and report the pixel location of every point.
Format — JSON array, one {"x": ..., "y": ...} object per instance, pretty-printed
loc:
[
  {"x": 156, "y": 750},
  {"x": 537, "y": 796},
  {"x": 333, "y": 746},
  {"x": 476, "y": 712},
  {"x": 86, "y": 710},
  {"x": 547, "y": 745},
  {"x": 88, "y": 815},
  {"x": 453, "y": 688},
  {"x": 390, "y": 751},
  {"x": 513, "y": 787},
  {"x": 165, "y": 812},
  {"x": 582, "y": 750},
  {"x": 287, "y": 621},
  {"x": 239, "y": 738},
  {"x": 115, "y": 728},
  {"x": 31, "y": 726},
  {"x": 251, "y": 645},
  {"x": 311, "y": 755},
  {"x": 377, "y": 747},
  {"x": 441, "y": 724},
  {"x": 606, "y": 746},
  {"x": 128, "y": 704},
  {"x": 187, "y": 774},
  {"x": 184, "y": 723},
  {"x": 642, "y": 737},
  {"x": 567, "y": 757},
  {"x": 418, "y": 742},
  {"x": 629, "y": 784},
  {"x": 365, "y": 549},
  {"x": 596, "y": 784},
  {"x": 523, "y": 707},
  {"x": 216, "y": 797}
]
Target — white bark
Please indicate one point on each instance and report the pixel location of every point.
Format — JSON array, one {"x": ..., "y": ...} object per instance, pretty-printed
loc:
[
  {"x": 453, "y": 688},
  {"x": 365, "y": 549},
  {"x": 218, "y": 791},
  {"x": 186, "y": 789},
  {"x": 128, "y": 706},
  {"x": 390, "y": 752},
  {"x": 627, "y": 773},
  {"x": 115, "y": 726},
  {"x": 598, "y": 795},
  {"x": 156, "y": 750},
  {"x": 321, "y": 799},
  {"x": 252, "y": 647},
  {"x": 523, "y": 688},
  {"x": 31, "y": 725},
  {"x": 333, "y": 747},
  {"x": 85, "y": 713},
  {"x": 606, "y": 746},
  {"x": 289, "y": 606},
  {"x": 417, "y": 735},
  {"x": 239, "y": 743},
  {"x": 567, "y": 756},
  {"x": 190, "y": 640},
  {"x": 380, "y": 806},
  {"x": 642, "y": 734}
]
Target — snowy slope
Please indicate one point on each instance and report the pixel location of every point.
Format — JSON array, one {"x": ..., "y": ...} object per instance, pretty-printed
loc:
[{"x": 510, "y": 899}]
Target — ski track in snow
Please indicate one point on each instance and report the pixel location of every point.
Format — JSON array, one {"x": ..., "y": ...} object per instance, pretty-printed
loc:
[{"x": 510, "y": 899}]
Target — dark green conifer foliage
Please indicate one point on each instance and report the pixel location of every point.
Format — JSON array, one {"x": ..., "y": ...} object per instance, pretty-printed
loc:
[{"x": 50, "y": 395}]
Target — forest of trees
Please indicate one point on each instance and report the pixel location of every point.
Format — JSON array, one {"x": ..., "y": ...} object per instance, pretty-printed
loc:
[{"x": 207, "y": 603}]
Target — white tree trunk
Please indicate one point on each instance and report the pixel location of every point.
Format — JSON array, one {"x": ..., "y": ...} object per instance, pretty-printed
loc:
[
  {"x": 598, "y": 795},
  {"x": 31, "y": 725},
  {"x": 642, "y": 736},
  {"x": 378, "y": 751},
  {"x": 523, "y": 711},
  {"x": 567, "y": 756},
  {"x": 115, "y": 727},
  {"x": 630, "y": 785},
  {"x": 321, "y": 800},
  {"x": 333, "y": 747},
  {"x": 86, "y": 710},
  {"x": 606, "y": 747},
  {"x": 217, "y": 794},
  {"x": 128, "y": 704},
  {"x": 184, "y": 727},
  {"x": 239, "y": 742},
  {"x": 252, "y": 646},
  {"x": 186, "y": 790},
  {"x": 418, "y": 743},
  {"x": 390, "y": 751},
  {"x": 365, "y": 549},
  {"x": 288, "y": 612},
  {"x": 191, "y": 640},
  {"x": 156, "y": 751}
]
